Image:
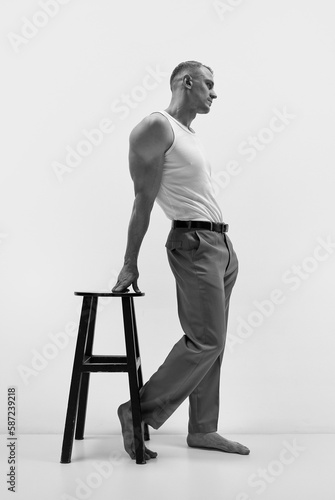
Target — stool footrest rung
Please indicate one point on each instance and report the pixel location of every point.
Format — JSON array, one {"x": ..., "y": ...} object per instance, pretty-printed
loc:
[{"x": 101, "y": 363}]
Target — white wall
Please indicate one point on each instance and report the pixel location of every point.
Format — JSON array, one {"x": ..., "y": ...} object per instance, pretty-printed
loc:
[{"x": 66, "y": 232}]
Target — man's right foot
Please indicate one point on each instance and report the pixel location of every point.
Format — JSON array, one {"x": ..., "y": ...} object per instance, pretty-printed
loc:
[
  {"x": 213, "y": 441},
  {"x": 126, "y": 419}
]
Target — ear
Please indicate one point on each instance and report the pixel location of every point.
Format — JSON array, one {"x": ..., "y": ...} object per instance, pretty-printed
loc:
[{"x": 187, "y": 81}]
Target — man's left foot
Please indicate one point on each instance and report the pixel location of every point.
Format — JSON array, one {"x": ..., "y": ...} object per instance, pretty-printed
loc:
[
  {"x": 126, "y": 419},
  {"x": 213, "y": 441}
]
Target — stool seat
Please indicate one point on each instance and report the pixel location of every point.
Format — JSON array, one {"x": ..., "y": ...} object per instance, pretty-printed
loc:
[
  {"x": 110, "y": 294},
  {"x": 85, "y": 363}
]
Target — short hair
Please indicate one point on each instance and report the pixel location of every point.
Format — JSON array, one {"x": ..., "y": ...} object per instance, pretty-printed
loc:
[{"x": 187, "y": 65}]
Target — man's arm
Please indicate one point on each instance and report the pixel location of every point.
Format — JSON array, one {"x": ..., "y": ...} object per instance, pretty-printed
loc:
[{"x": 147, "y": 144}]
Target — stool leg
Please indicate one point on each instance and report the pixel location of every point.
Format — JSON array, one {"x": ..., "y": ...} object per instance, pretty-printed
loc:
[
  {"x": 72, "y": 406},
  {"x": 85, "y": 377},
  {"x": 140, "y": 376},
  {"x": 82, "y": 405},
  {"x": 128, "y": 318}
]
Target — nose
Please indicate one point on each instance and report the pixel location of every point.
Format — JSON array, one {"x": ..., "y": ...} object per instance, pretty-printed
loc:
[{"x": 213, "y": 94}]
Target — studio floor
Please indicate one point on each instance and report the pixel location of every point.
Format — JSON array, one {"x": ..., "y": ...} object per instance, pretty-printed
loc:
[{"x": 280, "y": 467}]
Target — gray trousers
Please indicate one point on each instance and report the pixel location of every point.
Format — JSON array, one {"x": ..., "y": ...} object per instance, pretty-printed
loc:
[{"x": 205, "y": 267}]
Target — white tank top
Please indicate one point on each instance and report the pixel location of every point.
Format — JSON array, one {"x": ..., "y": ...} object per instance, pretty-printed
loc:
[{"x": 186, "y": 191}]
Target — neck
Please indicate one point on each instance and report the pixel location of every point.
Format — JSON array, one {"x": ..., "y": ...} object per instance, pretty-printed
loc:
[{"x": 181, "y": 112}]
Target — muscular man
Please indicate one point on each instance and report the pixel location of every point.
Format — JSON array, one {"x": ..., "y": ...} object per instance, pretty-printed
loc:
[{"x": 168, "y": 164}]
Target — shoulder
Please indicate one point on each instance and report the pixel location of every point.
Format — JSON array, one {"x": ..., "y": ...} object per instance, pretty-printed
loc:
[{"x": 154, "y": 129}]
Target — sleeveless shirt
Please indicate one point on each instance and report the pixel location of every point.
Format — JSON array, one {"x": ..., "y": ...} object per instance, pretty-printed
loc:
[{"x": 186, "y": 191}]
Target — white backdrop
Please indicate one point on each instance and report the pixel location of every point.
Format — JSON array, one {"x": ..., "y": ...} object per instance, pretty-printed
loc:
[{"x": 77, "y": 77}]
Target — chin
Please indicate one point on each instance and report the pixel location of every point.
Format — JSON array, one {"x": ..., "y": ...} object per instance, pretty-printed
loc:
[{"x": 204, "y": 111}]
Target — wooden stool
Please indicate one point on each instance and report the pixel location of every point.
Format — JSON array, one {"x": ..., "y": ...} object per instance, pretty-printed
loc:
[{"x": 85, "y": 363}]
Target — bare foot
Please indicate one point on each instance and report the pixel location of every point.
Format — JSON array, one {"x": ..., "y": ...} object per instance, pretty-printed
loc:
[
  {"x": 126, "y": 419},
  {"x": 213, "y": 441}
]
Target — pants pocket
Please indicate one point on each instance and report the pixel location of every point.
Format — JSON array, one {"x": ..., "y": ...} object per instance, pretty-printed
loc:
[{"x": 183, "y": 240}]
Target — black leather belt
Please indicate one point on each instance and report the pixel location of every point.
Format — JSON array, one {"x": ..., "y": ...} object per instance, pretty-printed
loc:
[{"x": 219, "y": 227}]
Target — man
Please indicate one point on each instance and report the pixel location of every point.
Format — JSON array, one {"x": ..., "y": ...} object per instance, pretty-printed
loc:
[{"x": 167, "y": 164}]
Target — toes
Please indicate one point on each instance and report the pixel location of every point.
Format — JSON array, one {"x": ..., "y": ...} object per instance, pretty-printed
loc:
[
  {"x": 243, "y": 450},
  {"x": 148, "y": 454},
  {"x": 152, "y": 454}
]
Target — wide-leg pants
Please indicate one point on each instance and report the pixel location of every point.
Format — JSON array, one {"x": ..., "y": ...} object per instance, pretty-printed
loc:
[{"x": 205, "y": 267}]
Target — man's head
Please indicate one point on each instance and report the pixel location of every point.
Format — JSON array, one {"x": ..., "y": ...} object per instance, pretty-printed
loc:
[{"x": 193, "y": 82}]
